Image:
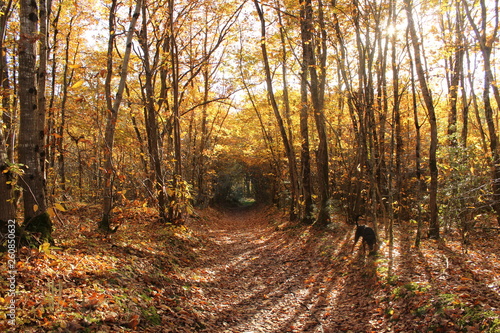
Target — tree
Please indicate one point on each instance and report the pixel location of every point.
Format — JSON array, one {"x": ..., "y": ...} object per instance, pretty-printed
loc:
[
  {"x": 486, "y": 42},
  {"x": 153, "y": 134},
  {"x": 292, "y": 164},
  {"x": 317, "y": 93},
  {"x": 429, "y": 104},
  {"x": 455, "y": 63},
  {"x": 32, "y": 134},
  {"x": 114, "y": 107}
]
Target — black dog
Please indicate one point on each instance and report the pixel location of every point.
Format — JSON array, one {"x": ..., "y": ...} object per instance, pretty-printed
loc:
[{"x": 368, "y": 236}]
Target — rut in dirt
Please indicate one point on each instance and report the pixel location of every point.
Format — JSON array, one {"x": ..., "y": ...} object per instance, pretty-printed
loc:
[{"x": 259, "y": 278}]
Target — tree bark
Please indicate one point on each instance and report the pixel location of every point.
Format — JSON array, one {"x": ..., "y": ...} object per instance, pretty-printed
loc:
[
  {"x": 455, "y": 64},
  {"x": 434, "y": 229},
  {"x": 317, "y": 96},
  {"x": 113, "y": 109},
  {"x": 175, "y": 212},
  {"x": 294, "y": 177},
  {"x": 151, "y": 122},
  {"x": 306, "y": 193},
  {"x": 292, "y": 165},
  {"x": 486, "y": 45},
  {"x": 41, "y": 79},
  {"x": 32, "y": 135},
  {"x": 51, "y": 138},
  {"x": 30, "y": 146},
  {"x": 62, "y": 125}
]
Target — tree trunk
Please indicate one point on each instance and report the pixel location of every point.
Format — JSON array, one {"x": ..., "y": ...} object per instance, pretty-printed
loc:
[
  {"x": 396, "y": 205},
  {"x": 113, "y": 108},
  {"x": 51, "y": 138},
  {"x": 30, "y": 146},
  {"x": 152, "y": 123},
  {"x": 427, "y": 97},
  {"x": 41, "y": 79},
  {"x": 175, "y": 212},
  {"x": 62, "y": 124},
  {"x": 294, "y": 177},
  {"x": 486, "y": 45},
  {"x": 455, "y": 64},
  {"x": 292, "y": 165},
  {"x": 317, "y": 96},
  {"x": 418, "y": 151},
  {"x": 32, "y": 135},
  {"x": 495, "y": 154},
  {"x": 307, "y": 202}
]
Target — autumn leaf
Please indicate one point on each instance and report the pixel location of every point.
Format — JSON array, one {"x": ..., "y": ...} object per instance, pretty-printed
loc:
[
  {"x": 78, "y": 84},
  {"x": 59, "y": 207},
  {"x": 133, "y": 322}
]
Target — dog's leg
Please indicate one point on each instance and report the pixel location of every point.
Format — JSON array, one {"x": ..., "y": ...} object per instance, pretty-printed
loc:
[{"x": 354, "y": 245}]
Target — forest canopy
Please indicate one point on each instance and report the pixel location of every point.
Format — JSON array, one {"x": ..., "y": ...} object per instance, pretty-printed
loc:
[{"x": 379, "y": 108}]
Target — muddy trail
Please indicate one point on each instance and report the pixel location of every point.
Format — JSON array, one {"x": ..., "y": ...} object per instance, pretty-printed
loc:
[{"x": 260, "y": 274}]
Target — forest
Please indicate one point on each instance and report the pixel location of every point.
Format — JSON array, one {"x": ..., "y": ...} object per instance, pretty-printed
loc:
[{"x": 201, "y": 166}]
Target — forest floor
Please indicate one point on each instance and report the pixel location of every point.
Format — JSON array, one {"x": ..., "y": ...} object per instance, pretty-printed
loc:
[{"x": 249, "y": 270}]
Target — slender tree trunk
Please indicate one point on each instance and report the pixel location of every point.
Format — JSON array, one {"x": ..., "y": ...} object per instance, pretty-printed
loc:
[
  {"x": 306, "y": 190},
  {"x": 475, "y": 106},
  {"x": 113, "y": 108},
  {"x": 486, "y": 44},
  {"x": 456, "y": 71},
  {"x": 317, "y": 95},
  {"x": 151, "y": 122},
  {"x": 292, "y": 165},
  {"x": 465, "y": 111},
  {"x": 434, "y": 229},
  {"x": 51, "y": 138},
  {"x": 7, "y": 177},
  {"x": 398, "y": 135},
  {"x": 353, "y": 201},
  {"x": 199, "y": 156},
  {"x": 175, "y": 212},
  {"x": 418, "y": 167},
  {"x": 62, "y": 124},
  {"x": 266, "y": 136},
  {"x": 294, "y": 178},
  {"x": 495, "y": 154}
]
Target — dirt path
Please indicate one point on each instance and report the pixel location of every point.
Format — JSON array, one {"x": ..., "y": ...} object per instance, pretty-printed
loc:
[
  {"x": 245, "y": 271},
  {"x": 259, "y": 274},
  {"x": 255, "y": 278}
]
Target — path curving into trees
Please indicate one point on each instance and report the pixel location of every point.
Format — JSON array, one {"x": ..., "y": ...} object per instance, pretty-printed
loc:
[{"x": 258, "y": 275}]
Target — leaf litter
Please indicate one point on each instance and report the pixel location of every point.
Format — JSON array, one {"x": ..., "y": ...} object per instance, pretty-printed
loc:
[{"x": 249, "y": 270}]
